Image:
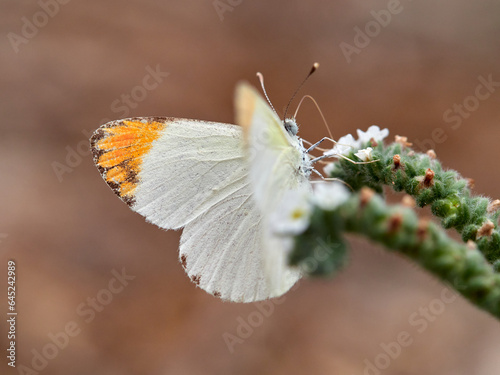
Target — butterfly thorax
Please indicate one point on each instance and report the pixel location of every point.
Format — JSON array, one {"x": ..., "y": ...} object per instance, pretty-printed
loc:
[{"x": 292, "y": 128}]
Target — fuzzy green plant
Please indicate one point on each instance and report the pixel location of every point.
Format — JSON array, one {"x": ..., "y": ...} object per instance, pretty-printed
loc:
[
  {"x": 422, "y": 177},
  {"x": 366, "y": 165},
  {"x": 398, "y": 228}
]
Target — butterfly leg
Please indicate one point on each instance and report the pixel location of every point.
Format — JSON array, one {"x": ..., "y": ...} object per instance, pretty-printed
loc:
[
  {"x": 352, "y": 161},
  {"x": 320, "y": 158},
  {"x": 343, "y": 157},
  {"x": 318, "y": 173},
  {"x": 313, "y": 146},
  {"x": 328, "y": 179}
]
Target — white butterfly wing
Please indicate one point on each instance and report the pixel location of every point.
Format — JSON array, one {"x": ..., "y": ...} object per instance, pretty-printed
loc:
[
  {"x": 276, "y": 165},
  {"x": 222, "y": 250},
  {"x": 179, "y": 172},
  {"x": 192, "y": 167}
]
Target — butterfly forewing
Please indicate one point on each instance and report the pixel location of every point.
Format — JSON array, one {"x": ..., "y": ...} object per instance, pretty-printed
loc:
[{"x": 192, "y": 174}]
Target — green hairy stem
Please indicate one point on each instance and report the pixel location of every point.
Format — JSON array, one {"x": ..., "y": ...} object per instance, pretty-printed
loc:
[
  {"x": 398, "y": 228},
  {"x": 423, "y": 177}
]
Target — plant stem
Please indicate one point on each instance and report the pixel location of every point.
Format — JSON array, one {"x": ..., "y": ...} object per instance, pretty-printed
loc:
[
  {"x": 422, "y": 177},
  {"x": 398, "y": 228}
]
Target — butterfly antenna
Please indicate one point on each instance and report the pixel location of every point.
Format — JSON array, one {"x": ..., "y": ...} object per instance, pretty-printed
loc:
[
  {"x": 313, "y": 69},
  {"x": 261, "y": 80},
  {"x": 319, "y": 110}
]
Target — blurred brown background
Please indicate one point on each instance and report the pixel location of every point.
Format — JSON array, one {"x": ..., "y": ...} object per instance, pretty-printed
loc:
[{"x": 68, "y": 232}]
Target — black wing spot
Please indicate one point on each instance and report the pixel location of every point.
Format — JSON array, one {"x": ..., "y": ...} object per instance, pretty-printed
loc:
[{"x": 196, "y": 279}]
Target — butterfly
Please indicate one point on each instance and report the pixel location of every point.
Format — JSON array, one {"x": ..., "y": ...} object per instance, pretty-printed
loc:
[{"x": 220, "y": 183}]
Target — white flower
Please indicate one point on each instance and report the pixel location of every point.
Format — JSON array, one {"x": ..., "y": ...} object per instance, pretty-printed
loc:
[
  {"x": 344, "y": 146},
  {"x": 293, "y": 213},
  {"x": 365, "y": 154},
  {"x": 328, "y": 169},
  {"x": 372, "y": 132},
  {"x": 330, "y": 195}
]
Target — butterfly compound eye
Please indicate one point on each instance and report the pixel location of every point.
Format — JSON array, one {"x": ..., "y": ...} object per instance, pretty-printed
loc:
[{"x": 291, "y": 126}]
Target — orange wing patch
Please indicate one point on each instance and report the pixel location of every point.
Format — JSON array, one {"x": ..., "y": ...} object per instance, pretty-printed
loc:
[{"x": 119, "y": 147}]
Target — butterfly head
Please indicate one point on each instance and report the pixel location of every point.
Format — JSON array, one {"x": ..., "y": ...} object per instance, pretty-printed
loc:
[
  {"x": 289, "y": 123},
  {"x": 291, "y": 126}
]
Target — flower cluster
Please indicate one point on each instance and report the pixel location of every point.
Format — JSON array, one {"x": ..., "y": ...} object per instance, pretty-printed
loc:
[
  {"x": 295, "y": 222},
  {"x": 347, "y": 144},
  {"x": 294, "y": 212}
]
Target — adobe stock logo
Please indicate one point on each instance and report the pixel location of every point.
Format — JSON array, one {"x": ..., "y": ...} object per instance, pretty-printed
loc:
[
  {"x": 364, "y": 36},
  {"x": 471, "y": 103},
  {"x": 31, "y": 26},
  {"x": 419, "y": 322},
  {"x": 223, "y": 6},
  {"x": 264, "y": 309},
  {"x": 456, "y": 114},
  {"x": 246, "y": 327},
  {"x": 58, "y": 341}
]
